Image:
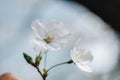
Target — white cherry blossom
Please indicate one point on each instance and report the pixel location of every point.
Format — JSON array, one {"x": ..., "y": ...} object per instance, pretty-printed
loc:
[
  {"x": 49, "y": 37},
  {"x": 82, "y": 58}
]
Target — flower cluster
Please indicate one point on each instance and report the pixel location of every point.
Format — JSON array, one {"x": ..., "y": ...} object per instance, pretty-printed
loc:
[{"x": 53, "y": 37}]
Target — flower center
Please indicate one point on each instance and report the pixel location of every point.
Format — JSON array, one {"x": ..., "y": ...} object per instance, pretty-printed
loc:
[
  {"x": 49, "y": 38},
  {"x": 80, "y": 58}
]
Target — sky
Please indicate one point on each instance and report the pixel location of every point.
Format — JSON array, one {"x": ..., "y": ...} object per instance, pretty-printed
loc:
[{"x": 96, "y": 35}]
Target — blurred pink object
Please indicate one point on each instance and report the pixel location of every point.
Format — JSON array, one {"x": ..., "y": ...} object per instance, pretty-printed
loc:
[{"x": 8, "y": 76}]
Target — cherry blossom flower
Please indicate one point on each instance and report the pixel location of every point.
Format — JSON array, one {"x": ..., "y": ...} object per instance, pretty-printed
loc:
[
  {"x": 82, "y": 58},
  {"x": 49, "y": 37}
]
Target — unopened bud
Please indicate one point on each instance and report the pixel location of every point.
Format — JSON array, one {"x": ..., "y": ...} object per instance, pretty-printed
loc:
[{"x": 37, "y": 60}]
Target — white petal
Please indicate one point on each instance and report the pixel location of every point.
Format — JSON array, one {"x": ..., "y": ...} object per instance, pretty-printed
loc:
[
  {"x": 38, "y": 29},
  {"x": 56, "y": 28},
  {"x": 84, "y": 67},
  {"x": 77, "y": 44},
  {"x": 73, "y": 56},
  {"x": 87, "y": 56},
  {"x": 60, "y": 35},
  {"x": 59, "y": 43},
  {"x": 39, "y": 46},
  {"x": 86, "y": 62},
  {"x": 53, "y": 48},
  {"x": 56, "y": 45}
]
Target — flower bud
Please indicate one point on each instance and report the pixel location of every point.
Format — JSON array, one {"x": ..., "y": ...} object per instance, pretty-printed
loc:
[
  {"x": 45, "y": 73},
  {"x": 37, "y": 60}
]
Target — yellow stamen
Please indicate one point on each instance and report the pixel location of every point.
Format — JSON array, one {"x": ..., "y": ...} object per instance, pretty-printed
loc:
[{"x": 49, "y": 38}]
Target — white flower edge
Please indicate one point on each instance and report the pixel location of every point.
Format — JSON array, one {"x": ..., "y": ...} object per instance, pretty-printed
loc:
[
  {"x": 82, "y": 58},
  {"x": 39, "y": 46},
  {"x": 54, "y": 31}
]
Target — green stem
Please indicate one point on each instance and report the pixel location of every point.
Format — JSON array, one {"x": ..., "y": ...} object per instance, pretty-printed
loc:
[
  {"x": 39, "y": 71},
  {"x": 67, "y": 62},
  {"x": 45, "y": 60}
]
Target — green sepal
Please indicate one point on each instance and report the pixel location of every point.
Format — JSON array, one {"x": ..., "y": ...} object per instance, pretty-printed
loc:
[
  {"x": 70, "y": 61},
  {"x": 44, "y": 70},
  {"x": 38, "y": 59},
  {"x": 45, "y": 73},
  {"x": 28, "y": 58}
]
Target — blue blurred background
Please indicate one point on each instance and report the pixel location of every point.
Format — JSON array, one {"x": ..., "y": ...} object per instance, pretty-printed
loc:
[{"x": 16, "y": 35}]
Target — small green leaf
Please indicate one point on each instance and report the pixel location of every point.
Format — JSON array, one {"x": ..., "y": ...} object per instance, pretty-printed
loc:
[
  {"x": 28, "y": 58},
  {"x": 38, "y": 59}
]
